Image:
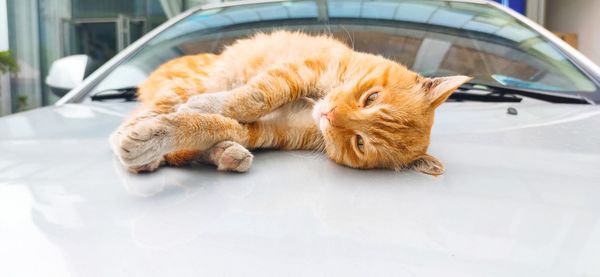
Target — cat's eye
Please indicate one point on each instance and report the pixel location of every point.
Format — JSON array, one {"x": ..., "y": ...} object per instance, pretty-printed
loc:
[
  {"x": 369, "y": 100},
  {"x": 360, "y": 143}
]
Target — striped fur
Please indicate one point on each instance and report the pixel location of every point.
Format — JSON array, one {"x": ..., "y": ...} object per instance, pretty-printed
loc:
[{"x": 287, "y": 91}]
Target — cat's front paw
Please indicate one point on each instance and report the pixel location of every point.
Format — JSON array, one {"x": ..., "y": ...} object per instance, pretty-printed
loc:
[
  {"x": 231, "y": 156},
  {"x": 142, "y": 146},
  {"x": 211, "y": 103}
]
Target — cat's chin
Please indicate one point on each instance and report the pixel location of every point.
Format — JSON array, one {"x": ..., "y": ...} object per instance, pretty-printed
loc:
[
  {"x": 322, "y": 123},
  {"x": 316, "y": 111}
]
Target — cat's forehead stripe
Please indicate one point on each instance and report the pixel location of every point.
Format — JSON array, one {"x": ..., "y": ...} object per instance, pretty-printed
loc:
[{"x": 385, "y": 76}]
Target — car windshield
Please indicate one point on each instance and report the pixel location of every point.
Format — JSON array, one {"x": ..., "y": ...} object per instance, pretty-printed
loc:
[{"x": 434, "y": 38}]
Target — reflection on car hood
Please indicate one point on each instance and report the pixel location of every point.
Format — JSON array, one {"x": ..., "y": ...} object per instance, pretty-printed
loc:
[{"x": 519, "y": 198}]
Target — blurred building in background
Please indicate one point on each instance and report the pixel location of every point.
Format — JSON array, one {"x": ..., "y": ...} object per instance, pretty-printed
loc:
[{"x": 37, "y": 32}]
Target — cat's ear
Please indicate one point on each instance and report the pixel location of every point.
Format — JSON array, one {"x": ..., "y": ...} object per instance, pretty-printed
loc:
[
  {"x": 427, "y": 164},
  {"x": 439, "y": 89}
]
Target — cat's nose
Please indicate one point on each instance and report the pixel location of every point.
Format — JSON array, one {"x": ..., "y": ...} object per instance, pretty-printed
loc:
[{"x": 329, "y": 115}]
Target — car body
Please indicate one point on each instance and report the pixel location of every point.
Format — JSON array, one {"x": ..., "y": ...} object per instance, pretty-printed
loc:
[{"x": 519, "y": 196}]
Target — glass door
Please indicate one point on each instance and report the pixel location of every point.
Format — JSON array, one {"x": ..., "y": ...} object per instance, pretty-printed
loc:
[
  {"x": 102, "y": 38},
  {"x": 97, "y": 39}
]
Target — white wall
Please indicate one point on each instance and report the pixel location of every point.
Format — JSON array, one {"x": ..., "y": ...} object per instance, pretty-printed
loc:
[{"x": 577, "y": 16}]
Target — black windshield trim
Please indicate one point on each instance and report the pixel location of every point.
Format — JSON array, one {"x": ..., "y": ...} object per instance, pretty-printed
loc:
[
  {"x": 535, "y": 94},
  {"x": 126, "y": 93}
]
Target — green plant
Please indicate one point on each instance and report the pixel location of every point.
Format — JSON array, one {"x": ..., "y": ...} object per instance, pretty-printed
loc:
[
  {"x": 22, "y": 104},
  {"x": 7, "y": 63}
]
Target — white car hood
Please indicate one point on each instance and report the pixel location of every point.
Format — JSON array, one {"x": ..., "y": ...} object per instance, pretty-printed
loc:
[{"x": 520, "y": 197}]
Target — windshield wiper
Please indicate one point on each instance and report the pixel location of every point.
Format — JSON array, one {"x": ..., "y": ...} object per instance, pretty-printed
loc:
[
  {"x": 126, "y": 93},
  {"x": 490, "y": 93},
  {"x": 478, "y": 95}
]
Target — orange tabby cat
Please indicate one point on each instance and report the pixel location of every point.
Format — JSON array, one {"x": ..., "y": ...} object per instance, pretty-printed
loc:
[{"x": 284, "y": 90}]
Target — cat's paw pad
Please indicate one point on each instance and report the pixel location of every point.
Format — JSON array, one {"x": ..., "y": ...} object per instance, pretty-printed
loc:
[
  {"x": 144, "y": 143},
  {"x": 116, "y": 137},
  {"x": 114, "y": 140},
  {"x": 149, "y": 167},
  {"x": 231, "y": 156}
]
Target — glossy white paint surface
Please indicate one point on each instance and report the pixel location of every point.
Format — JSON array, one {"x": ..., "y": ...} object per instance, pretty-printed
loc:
[{"x": 520, "y": 198}]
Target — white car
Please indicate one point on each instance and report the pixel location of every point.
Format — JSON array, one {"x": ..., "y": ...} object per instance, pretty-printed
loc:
[{"x": 521, "y": 146}]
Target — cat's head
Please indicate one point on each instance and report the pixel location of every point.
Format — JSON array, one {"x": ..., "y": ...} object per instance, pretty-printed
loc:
[{"x": 381, "y": 117}]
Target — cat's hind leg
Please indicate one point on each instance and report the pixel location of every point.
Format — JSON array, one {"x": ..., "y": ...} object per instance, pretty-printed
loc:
[
  {"x": 226, "y": 156},
  {"x": 229, "y": 156},
  {"x": 278, "y": 85}
]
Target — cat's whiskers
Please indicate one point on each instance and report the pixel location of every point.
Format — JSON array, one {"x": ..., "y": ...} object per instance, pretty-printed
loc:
[{"x": 272, "y": 75}]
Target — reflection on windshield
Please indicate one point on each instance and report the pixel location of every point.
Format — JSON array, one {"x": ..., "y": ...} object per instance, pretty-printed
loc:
[{"x": 434, "y": 38}]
